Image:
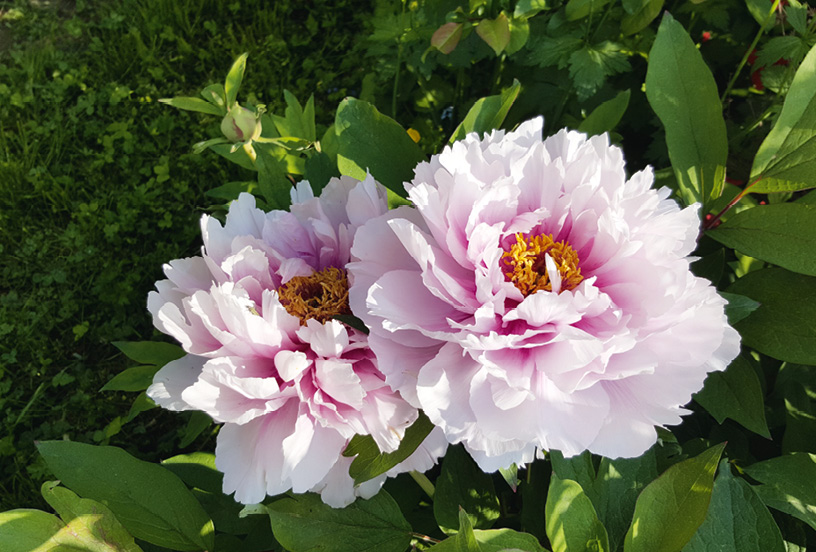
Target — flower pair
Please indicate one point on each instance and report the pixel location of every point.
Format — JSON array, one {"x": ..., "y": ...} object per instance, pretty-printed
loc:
[{"x": 532, "y": 298}]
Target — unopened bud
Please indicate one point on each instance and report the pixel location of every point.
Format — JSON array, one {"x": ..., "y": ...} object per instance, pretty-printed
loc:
[{"x": 240, "y": 124}]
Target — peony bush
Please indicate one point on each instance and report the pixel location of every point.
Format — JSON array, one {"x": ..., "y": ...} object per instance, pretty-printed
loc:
[{"x": 517, "y": 342}]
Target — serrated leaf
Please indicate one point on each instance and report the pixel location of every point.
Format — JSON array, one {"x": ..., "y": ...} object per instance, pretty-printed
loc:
[
  {"x": 784, "y": 326},
  {"x": 786, "y": 159},
  {"x": 547, "y": 51},
  {"x": 234, "y": 79},
  {"x": 780, "y": 47},
  {"x": 304, "y": 523},
  {"x": 589, "y": 66},
  {"x": 735, "y": 393},
  {"x": 367, "y": 140},
  {"x": 606, "y": 116},
  {"x": 370, "y": 462},
  {"x": 572, "y": 523},
  {"x": 788, "y": 484},
  {"x": 639, "y": 18},
  {"x": 194, "y": 104},
  {"x": 150, "y": 352},
  {"x": 487, "y": 113},
  {"x": 777, "y": 234},
  {"x": 137, "y": 378},
  {"x": 672, "y": 507},
  {"x": 447, "y": 37},
  {"x": 462, "y": 484},
  {"x": 682, "y": 92},
  {"x": 737, "y": 520},
  {"x": 149, "y": 501},
  {"x": 90, "y": 525},
  {"x": 796, "y": 15},
  {"x": 495, "y": 32}
]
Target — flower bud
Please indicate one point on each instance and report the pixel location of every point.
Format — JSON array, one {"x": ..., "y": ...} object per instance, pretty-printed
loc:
[{"x": 240, "y": 124}]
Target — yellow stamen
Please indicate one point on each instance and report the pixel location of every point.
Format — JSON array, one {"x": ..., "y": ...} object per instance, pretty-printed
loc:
[
  {"x": 525, "y": 263},
  {"x": 321, "y": 296}
]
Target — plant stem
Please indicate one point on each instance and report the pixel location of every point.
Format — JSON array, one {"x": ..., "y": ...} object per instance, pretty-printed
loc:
[
  {"x": 423, "y": 482},
  {"x": 425, "y": 538},
  {"x": 750, "y": 49}
]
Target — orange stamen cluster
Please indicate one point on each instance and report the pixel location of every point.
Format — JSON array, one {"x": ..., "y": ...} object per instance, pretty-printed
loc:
[
  {"x": 525, "y": 264},
  {"x": 322, "y": 295}
]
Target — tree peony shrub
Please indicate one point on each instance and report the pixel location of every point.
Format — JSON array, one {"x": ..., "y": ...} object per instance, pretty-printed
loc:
[
  {"x": 536, "y": 298},
  {"x": 291, "y": 384}
]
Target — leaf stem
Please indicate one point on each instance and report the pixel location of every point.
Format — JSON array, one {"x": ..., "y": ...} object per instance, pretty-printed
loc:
[
  {"x": 750, "y": 49},
  {"x": 425, "y": 538},
  {"x": 423, "y": 481}
]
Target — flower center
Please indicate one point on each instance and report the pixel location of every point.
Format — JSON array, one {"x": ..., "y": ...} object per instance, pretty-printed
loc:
[
  {"x": 525, "y": 264},
  {"x": 321, "y": 296}
]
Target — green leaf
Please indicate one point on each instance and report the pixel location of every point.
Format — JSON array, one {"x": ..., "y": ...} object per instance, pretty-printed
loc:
[
  {"x": 510, "y": 476},
  {"x": 370, "y": 462},
  {"x": 463, "y": 541},
  {"x": 298, "y": 122},
  {"x": 781, "y": 47},
  {"x": 800, "y": 418},
  {"x": 578, "y": 9},
  {"x": 194, "y": 104},
  {"x": 784, "y": 326},
  {"x": 198, "y": 422},
  {"x": 215, "y": 94},
  {"x": 150, "y": 352},
  {"x": 196, "y": 469},
  {"x": 528, "y": 8},
  {"x": 367, "y": 140},
  {"x": 140, "y": 404},
  {"x": 777, "y": 234},
  {"x": 272, "y": 180},
  {"x": 735, "y": 393},
  {"x": 319, "y": 170},
  {"x": 546, "y": 51},
  {"x": 487, "y": 113},
  {"x": 578, "y": 468},
  {"x": 682, "y": 92},
  {"x": 304, "y": 523},
  {"x": 137, "y": 378},
  {"x": 589, "y": 66},
  {"x": 500, "y": 540},
  {"x": 462, "y": 484},
  {"x": 149, "y": 501},
  {"x": 759, "y": 10},
  {"x": 738, "y": 306},
  {"x": 231, "y": 190},
  {"x": 25, "y": 530},
  {"x": 90, "y": 525},
  {"x": 572, "y": 523},
  {"x": 672, "y": 507},
  {"x": 788, "y": 484},
  {"x": 638, "y": 19},
  {"x": 495, "y": 32},
  {"x": 737, "y": 520},
  {"x": 606, "y": 116},
  {"x": 786, "y": 159},
  {"x": 519, "y": 33},
  {"x": 234, "y": 78},
  {"x": 616, "y": 490}
]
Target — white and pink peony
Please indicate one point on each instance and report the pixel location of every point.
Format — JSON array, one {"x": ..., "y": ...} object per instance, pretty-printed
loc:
[
  {"x": 291, "y": 384},
  {"x": 535, "y": 298}
]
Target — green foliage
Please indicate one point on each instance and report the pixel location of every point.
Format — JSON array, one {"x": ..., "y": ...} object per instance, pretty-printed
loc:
[
  {"x": 572, "y": 523},
  {"x": 149, "y": 501},
  {"x": 682, "y": 92},
  {"x": 462, "y": 486}
]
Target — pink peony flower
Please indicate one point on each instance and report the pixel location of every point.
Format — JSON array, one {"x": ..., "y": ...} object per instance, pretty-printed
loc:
[
  {"x": 537, "y": 299},
  {"x": 291, "y": 384}
]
